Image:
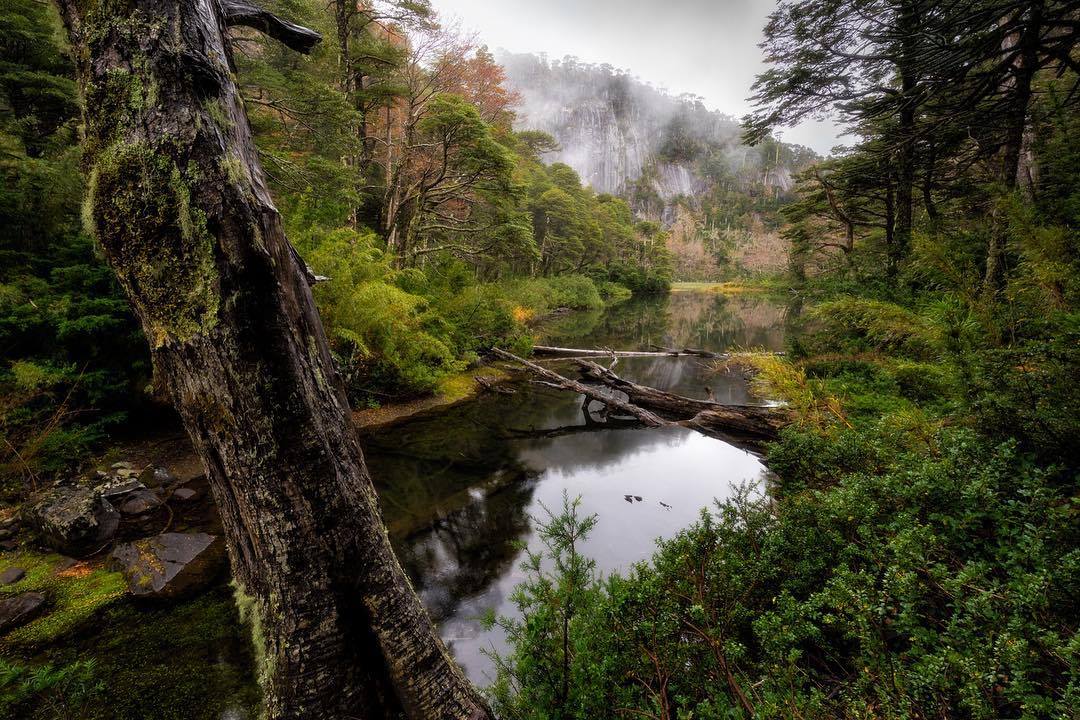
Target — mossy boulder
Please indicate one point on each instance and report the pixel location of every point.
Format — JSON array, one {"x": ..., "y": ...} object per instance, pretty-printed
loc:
[{"x": 73, "y": 519}]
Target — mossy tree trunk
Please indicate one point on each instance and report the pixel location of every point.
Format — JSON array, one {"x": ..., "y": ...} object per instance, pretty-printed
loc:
[{"x": 179, "y": 205}]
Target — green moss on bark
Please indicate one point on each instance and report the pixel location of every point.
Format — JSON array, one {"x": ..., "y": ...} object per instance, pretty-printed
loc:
[
  {"x": 157, "y": 243},
  {"x": 251, "y": 614}
]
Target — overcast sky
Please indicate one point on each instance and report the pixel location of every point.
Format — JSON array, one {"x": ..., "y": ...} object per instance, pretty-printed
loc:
[{"x": 705, "y": 47}]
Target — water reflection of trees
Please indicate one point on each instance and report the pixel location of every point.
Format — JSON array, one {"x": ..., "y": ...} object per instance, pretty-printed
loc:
[
  {"x": 465, "y": 551},
  {"x": 712, "y": 321},
  {"x": 456, "y": 487}
]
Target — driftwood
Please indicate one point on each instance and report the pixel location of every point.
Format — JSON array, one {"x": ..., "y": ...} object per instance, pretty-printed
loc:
[
  {"x": 751, "y": 424},
  {"x": 551, "y": 351},
  {"x": 687, "y": 351},
  {"x": 555, "y": 380}
]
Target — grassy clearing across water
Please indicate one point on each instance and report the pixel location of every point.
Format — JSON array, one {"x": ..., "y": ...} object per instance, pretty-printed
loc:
[{"x": 735, "y": 287}]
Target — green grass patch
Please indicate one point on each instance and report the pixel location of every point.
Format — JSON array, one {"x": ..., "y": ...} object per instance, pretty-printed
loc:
[
  {"x": 735, "y": 287},
  {"x": 74, "y": 594}
]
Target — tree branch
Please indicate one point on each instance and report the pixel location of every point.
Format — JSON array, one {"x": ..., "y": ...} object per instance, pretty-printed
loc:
[{"x": 296, "y": 37}]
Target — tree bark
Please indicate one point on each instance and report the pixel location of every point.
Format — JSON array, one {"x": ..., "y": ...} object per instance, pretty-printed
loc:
[
  {"x": 178, "y": 202},
  {"x": 909, "y": 101},
  {"x": 1021, "y": 76}
]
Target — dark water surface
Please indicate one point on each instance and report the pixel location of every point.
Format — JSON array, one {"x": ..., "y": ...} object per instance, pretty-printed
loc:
[{"x": 460, "y": 488}]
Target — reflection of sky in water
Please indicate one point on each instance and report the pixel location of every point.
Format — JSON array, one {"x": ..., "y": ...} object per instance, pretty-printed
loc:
[
  {"x": 681, "y": 468},
  {"x": 460, "y": 487}
]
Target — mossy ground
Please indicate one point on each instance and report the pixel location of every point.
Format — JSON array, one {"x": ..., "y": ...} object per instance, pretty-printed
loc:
[
  {"x": 186, "y": 661},
  {"x": 75, "y": 593}
]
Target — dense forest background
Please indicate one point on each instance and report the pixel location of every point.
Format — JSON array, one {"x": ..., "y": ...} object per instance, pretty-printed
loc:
[
  {"x": 392, "y": 157},
  {"x": 919, "y": 552}
]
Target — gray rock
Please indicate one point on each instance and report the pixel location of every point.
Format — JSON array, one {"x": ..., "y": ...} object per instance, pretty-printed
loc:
[
  {"x": 139, "y": 502},
  {"x": 170, "y": 565},
  {"x": 163, "y": 477},
  {"x": 123, "y": 466},
  {"x": 74, "y": 520},
  {"x": 156, "y": 476},
  {"x": 115, "y": 489},
  {"x": 20, "y": 609},
  {"x": 12, "y": 575},
  {"x": 185, "y": 494}
]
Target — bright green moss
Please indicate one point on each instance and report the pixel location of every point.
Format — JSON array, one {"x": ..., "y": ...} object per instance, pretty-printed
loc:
[
  {"x": 251, "y": 615},
  {"x": 74, "y": 594}
]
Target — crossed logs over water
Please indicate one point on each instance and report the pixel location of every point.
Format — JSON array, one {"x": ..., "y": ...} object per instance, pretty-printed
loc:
[{"x": 751, "y": 425}]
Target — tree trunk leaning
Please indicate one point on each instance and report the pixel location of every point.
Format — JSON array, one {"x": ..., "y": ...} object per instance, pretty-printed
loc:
[{"x": 179, "y": 205}]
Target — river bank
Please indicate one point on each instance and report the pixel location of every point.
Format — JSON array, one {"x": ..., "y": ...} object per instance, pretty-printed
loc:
[{"x": 461, "y": 475}]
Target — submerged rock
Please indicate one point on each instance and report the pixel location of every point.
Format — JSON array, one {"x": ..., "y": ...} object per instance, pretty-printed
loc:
[
  {"x": 74, "y": 520},
  {"x": 170, "y": 565},
  {"x": 20, "y": 609}
]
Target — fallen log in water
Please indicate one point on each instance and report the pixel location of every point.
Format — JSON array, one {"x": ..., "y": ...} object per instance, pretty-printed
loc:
[
  {"x": 687, "y": 351},
  {"x": 551, "y": 351},
  {"x": 555, "y": 380},
  {"x": 753, "y": 424}
]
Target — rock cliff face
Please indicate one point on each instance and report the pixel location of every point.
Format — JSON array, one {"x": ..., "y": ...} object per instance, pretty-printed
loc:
[
  {"x": 676, "y": 162},
  {"x": 615, "y": 130}
]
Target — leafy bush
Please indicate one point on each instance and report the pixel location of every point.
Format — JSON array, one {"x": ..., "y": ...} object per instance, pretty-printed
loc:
[
  {"x": 397, "y": 332},
  {"x": 942, "y": 584},
  {"x": 544, "y": 295},
  {"x": 59, "y": 693}
]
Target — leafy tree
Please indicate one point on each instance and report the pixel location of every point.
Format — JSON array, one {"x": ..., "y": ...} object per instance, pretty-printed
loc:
[{"x": 73, "y": 361}]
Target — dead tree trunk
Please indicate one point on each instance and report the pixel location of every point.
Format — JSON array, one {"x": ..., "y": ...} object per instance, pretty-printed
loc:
[
  {"x": 179, "y": 205},
  {"x": 750, "y": 424}
]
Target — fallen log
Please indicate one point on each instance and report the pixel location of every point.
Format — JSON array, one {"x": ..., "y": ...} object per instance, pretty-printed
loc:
[
  {"x": 492, "y": 385},
  {"x": 550, "y": 350},
  {"x": 687, "y": 351},
  {"x": 751, "y": 424},
  {"x": 555, "y": 380}
]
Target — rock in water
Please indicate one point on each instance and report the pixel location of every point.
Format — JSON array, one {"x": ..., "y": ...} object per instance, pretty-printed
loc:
[
  {"x": 75, "y": 520},
  {"x": 19, "y": 609},
  {"x": 12, "y": 575},
  {"x": 139, "y": 502},
  {"x": 170, "y": 565}
]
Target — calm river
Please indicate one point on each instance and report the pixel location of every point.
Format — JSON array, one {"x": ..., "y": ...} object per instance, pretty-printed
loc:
[{"x": 460, "y": 488}]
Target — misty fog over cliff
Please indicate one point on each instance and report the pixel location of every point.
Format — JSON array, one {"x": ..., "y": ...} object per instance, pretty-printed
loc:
[{"x": 615, "y": 130}]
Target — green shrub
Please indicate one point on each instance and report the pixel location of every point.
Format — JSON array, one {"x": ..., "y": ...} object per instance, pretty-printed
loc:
[{"x": 938, "y": 582}]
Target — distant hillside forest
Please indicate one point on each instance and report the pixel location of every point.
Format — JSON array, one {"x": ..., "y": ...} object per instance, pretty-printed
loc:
[{"x": 675, "y": 161}]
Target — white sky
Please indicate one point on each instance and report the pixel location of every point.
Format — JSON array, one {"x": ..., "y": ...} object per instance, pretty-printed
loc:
[{"x": 705, "y": 47}]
